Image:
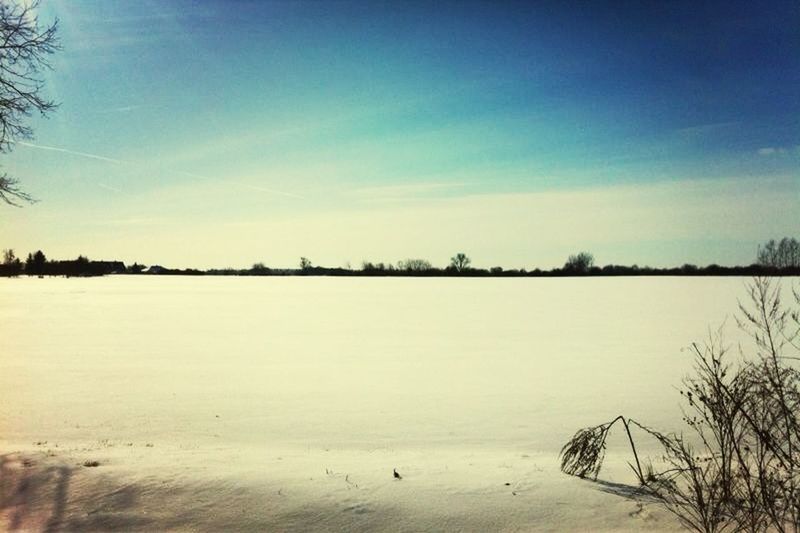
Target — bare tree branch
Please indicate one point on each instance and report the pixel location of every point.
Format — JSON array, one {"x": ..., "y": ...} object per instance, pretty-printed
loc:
[{"x": 24, "y": 50}]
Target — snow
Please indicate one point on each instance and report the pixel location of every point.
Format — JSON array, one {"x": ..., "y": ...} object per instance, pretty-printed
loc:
[{"x": 274, "y": 403}]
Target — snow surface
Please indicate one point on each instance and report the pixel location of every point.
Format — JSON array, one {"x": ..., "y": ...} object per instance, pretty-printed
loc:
[{"x": 284, "y": 404}]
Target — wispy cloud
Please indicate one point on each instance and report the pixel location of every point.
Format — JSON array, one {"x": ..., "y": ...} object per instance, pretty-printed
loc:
[
  {"x": 71, "y": 152},
  {"x": 133, "y": 221},
  {"x": 247, "y": 186},
  {"x": 707, "y": 129},
  {"x": 271, "y": 191},
  {"x": 120, "y": 109},
  {"x": 778, "y": 150},
  {"x": 97, "y": 157},
  {"x": 108, "y": 187},
  {"x": 403, "y": 191}
]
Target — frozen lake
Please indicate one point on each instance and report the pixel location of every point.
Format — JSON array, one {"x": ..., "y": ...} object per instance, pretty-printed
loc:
[{"x": 215, "y": 375}]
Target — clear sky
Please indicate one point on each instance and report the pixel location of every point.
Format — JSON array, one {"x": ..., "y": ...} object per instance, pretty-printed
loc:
[{"x": 215, "y": 134}]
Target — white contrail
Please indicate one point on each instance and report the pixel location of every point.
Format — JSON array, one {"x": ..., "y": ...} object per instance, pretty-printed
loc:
[
  {"x": 72, "y": 152},
  {"x": 272, "y": 191},
  {"x": 121, "y": 162},
  {"x": 121, "y": 109}
]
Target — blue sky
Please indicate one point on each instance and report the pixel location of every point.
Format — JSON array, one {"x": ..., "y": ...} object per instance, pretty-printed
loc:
[{"x": 225, "y": 133}]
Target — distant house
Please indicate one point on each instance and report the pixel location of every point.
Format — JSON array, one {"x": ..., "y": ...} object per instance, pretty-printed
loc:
[{"x": 155, "y": 269}]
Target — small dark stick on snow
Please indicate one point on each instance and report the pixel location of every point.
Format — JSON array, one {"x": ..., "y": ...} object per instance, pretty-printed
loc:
[{"x": 396, "y": 475}]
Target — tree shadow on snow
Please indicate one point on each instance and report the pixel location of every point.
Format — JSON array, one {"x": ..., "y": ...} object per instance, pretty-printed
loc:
[
  {"x": 41, "y": 497},
  {"x": 632, "y": 492}
]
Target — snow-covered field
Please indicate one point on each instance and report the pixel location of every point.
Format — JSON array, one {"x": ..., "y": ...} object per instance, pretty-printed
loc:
[{"x": 284, "y": 404}]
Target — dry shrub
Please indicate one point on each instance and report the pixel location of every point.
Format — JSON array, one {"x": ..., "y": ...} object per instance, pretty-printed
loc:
[{"x": 739, "y": 467}]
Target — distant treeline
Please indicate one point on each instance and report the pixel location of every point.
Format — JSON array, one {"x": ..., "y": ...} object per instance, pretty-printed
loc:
[
  {"x": 498, "y": 272},
  {"x": 37, "y": 264},
  {"x": 781, "y": 258}
]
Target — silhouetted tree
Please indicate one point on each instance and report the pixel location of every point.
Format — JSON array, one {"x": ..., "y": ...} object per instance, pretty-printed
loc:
[
  {"x": 24, "y": 47},
  {"x": 783, "y": 254},
  {"x": 260, "y": 269},
  {"x": 414, "y": 265},
  {"x": 689, "y": 268},
  {"x": 35, "y": 263},
  {"x": 580, "y": 262},
  {"x": 460, "y": 262},
  {"x": 11, "y": 264},
  {"x": 305, "y": 263},
  {"x": 369, "y": 266},
  {"x": 136, "y": 268},
  {"x": 81, "y": 266}
]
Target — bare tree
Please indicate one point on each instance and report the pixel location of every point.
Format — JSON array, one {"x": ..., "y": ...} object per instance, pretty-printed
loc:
[
  {"x": 460, "y": 262},
  {"x": 11, "y": 265},
  {"x": 581, "y": 262},
  {"x": 24, "y": 50},
  {"x": 785, "y": 253},
  {"x": 414, "y": 265}
]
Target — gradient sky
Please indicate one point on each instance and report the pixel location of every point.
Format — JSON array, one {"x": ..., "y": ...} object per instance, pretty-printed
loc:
[{"x": 213, "y": 134}]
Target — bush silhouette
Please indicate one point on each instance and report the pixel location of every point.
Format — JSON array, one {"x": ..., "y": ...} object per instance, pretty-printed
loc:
[{"x": 739, "y": 468}]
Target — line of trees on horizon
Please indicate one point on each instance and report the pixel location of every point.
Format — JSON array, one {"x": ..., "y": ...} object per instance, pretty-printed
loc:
[
  {"x": 37, "y": 264},
  {"x": 782, "y": 254},
  {"x": 773, "y": 258}
]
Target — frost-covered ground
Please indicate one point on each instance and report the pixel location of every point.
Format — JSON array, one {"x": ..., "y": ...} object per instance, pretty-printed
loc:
[{"x": 283, "y": 404}]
